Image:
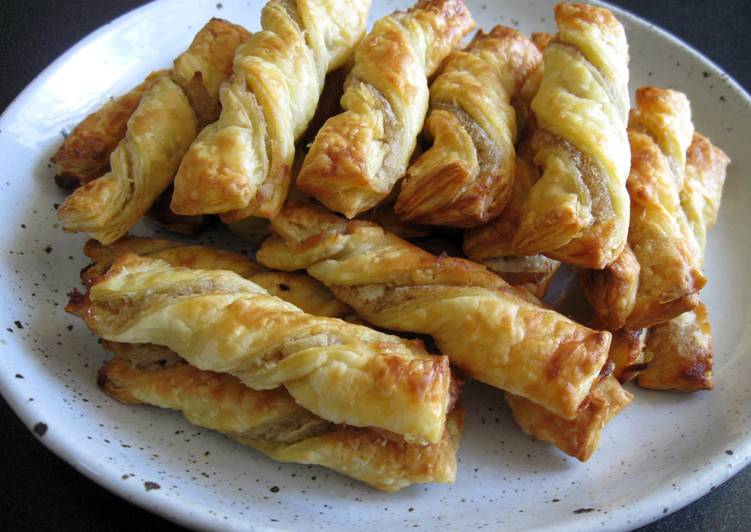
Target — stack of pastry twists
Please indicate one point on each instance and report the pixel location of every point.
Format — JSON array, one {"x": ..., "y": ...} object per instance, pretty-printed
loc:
[
  {"x": 492, "y": 331},
  {"x": 219, "y": 321},
  {"x": 143, "y": 164},
  {"x": 240, "y": 165},
  {"x": 658, "y": 276},
  {"x": 358, "y": 156},
  {"x": 679, "y": 352},
  {"x": 578, "y": 210},
  {"x": 85, "y": 154},
  {"x": 465, "y": 178},
  {"x": 267, "y": 420}
]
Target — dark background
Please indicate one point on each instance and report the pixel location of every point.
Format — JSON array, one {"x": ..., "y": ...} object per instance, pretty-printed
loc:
[{"x": 40, "y": 491}]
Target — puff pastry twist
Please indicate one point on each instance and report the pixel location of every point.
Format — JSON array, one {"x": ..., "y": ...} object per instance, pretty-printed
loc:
[
  {"x": 465, "y": 178},
  {"x": 659, "y": 276},
  {"x": 85, "y": 153},
  {"x": 241, "y": 164},
  {"x": 492, "y": 331},
  {"x": 578, "y": 212},
  {"x": 274, "y": 424},
  {"x": 359, "y": 155},
  {"x": 143, "y": 164},
  {"x": 218, "y": 321}
]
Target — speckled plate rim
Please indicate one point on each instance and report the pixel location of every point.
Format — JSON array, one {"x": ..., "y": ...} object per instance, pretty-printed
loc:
[{"x": 641, "y": 511}]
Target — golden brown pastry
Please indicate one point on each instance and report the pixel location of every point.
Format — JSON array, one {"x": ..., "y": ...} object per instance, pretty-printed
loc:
[
  {"x": 576, "y": 437},
  {"x": 161, "y": 215},
  {"x": 495, "y": 333},
  {"x": 578, "y": 211},
  {"x": 143, "y": 165},
  {"x": 271, "y": 422},
  {"x": 240, "y": 165},
  {"x": 627, "y": 353},
  {"x": 522, "y": 102},
  {"x": 678, "y": 354},
  {"x": 492, "y": 244},
  {"x": 216, "y": 320},
  {"x": 360, "y": 154},
  {"x": 706, "y": 167},
  {"x": 466, "y": 177},
  {"x": 85, "y": 154},
  {"x": 297, "y": 288},
  {"x": 206, "y": 64},
  {"x": 666, "y": 278}
]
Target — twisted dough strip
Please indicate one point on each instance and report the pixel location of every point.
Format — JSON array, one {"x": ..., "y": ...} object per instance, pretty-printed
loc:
[
  {"x": 679, "y": 352},
  {"x": 358, "y": 156},
  {"x": 218, "y": 321},
  {"x": 578, "y": 211},
  {"x": 240, "y": 165},
  {"x": 658, "y": 276},
  {"x": 465, "y": 178},
  {"x": 297, "y": 288},
  {"x": 492, "y": 244},
  {"x": 578, "y": 437},
  {"x": 85, "y": 153},
  {"x": 159, "y": 132},
  {"x": 271, "y": 422},
  {"x": 490, "y": 330}
]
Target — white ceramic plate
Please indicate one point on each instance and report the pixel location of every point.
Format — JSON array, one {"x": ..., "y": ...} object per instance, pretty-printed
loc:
[{"x": 663, "y": 452}]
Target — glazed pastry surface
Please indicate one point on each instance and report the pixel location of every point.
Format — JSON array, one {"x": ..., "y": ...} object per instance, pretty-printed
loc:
[
  {"x": 668, "y": 277},
  {"x": 143, "y": 165},
  {"x": 240, "y": 165},
  {"x": 216, "y": 320},
  {"x": 494, "y": 332},
  {"x": 578, "y": 212},
  {"x": 359, "y": 155},
  {"x": 466, "y": 177}
]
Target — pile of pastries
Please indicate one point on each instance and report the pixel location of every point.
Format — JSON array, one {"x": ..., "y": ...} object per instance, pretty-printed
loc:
[{"x": 411, "y": 198}]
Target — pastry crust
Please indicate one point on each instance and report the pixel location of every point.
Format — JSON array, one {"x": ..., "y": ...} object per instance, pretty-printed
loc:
[
  {"x": 678, "y": 354},
  {"x": 492, "y": 244},
  {"x": 296, "y": 288},
  {"x": 359, "y": 155},
  {"x": 495, "y": 333},
  {"x": 271, "y": 422},
  {"x": 578, "y": 437},
  {"x": 240, "y": 165},
  {"x": 669, "y": 268},
  {"x": 578, "y": 212},
  {"x": 207, "y": 62},
  {"x": 218, "y": 321},
  {"x": 466, "y": 177},
  {"x": 143, "y": 165},
  {"x": 85, "y": 154}
]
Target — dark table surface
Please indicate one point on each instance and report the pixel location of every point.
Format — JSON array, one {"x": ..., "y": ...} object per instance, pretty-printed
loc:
[{"x": 40, "y": 491}]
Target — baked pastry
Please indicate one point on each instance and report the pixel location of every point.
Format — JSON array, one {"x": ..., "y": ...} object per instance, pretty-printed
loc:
[
  {"x": 85, "y": 153},
  {"x": 206, "y": 64},
  {"x": 143, "y": 164},
  {"x": 665, "y": 279},
  {"x": 218, "y": 321},
  {"x": 493, "y": 243},
  {"x": 493, "y": 332},
  {"x": 273, "y": 423},
  {"x": 240, "y": 165},
  {"x": 627, "y": 353},
  {"x": 161, "y": 215},
  {"x": 578, "y": 437},
  {"x": 466, "y": 177},
  {"x": 679, "y": 352},
  {"x": 522, "y": 102},
  {"x": 578, "y": 211},
  {"x": 359, "y": 155},
  {"x": 297, "y": 288}
]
